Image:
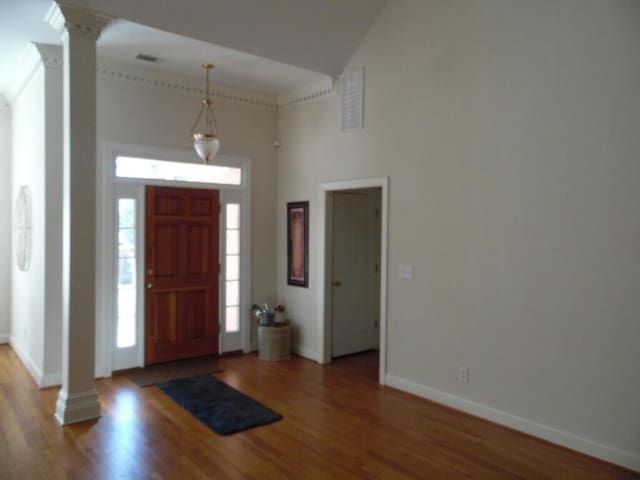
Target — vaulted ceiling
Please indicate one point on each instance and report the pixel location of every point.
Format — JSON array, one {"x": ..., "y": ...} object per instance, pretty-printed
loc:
[{"x": 268, "y": 45}]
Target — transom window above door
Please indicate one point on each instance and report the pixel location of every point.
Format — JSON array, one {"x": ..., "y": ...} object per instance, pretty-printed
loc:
[{"x": 132, "y": 167}]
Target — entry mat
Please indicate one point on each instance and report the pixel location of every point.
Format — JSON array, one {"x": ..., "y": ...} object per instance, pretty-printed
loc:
[
  {"x": 222, "y": 408},
  {"x": 164, "y": 372}
]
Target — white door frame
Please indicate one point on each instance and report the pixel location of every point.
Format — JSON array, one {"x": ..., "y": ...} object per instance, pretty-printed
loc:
[
  {"x": 326, "y": 263},
  {"x": 106, "y": 223}
]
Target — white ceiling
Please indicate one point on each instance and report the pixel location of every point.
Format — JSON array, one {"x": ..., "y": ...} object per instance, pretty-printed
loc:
[{"x": 271, "y": 46}]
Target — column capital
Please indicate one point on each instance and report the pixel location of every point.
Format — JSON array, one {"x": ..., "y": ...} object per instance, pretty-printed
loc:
[{"x": 68, "y": 18}]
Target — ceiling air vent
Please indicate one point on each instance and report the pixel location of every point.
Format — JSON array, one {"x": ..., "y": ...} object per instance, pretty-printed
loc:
[
  {"x": 352, "y": 96},
  {"x": 147, "y": 58}
]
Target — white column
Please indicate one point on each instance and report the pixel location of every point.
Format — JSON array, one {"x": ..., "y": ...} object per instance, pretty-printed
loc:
[{"x": 80, "y": 29}]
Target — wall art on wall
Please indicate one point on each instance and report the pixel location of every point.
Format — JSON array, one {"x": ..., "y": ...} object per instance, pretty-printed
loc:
[
  {"x": 298, "y": 244},
  {"x": 23, "y": 228}
]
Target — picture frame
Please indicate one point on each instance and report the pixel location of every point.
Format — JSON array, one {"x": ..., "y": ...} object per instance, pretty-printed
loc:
[{"x": 298, "y": 244}]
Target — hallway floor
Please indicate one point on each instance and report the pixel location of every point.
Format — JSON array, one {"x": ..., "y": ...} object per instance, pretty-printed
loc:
[{"x": 338, "y": 424}]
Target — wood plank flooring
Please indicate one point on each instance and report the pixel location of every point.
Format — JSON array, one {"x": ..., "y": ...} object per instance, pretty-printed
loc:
[{"x": 338, "y": 424}]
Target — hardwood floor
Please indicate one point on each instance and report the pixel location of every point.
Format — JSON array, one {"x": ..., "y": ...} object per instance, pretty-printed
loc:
[{"x": 338, "y": 424}]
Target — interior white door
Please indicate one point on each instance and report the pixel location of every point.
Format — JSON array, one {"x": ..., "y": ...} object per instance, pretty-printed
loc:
[{"x": 356, "y": 282}]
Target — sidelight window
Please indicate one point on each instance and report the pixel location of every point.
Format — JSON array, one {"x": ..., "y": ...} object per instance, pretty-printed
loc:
[
  {"x": 232, "y": 268},
  {"x": 126, "y": 276}
]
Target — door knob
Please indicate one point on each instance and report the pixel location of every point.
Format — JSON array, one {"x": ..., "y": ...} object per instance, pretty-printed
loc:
[
  {"x": 149, "y": 285},
  {"x": 337, "y": 284}
]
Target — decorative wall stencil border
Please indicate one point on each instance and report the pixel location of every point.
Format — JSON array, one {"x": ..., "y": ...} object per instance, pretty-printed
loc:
[
  {"x": 322, "y": 88},
  {"x": 154, "y": 80},
  {"x": 309, "y": 97},
  {"x": 51, "y": 57}
]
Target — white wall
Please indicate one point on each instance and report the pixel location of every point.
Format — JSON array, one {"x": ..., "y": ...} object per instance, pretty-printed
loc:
[
  {"x": 509, "y": 131},
  {"x": 6, "y": 255},
  {"x": 28, "y": 160}
]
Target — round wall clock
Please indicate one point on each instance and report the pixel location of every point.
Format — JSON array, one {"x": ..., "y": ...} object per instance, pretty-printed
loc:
[{"x": 23, "y": 228}]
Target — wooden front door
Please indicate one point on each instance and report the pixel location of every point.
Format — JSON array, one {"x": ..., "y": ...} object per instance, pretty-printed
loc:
[{"x": 181, "y": 271}]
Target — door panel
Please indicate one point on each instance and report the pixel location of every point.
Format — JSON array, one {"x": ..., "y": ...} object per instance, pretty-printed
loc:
[
  {"x": 182, "y": 273},
  {"x": 356, "y": 253}
]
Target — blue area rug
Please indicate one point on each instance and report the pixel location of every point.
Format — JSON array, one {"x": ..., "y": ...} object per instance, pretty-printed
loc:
[{"x": 217, "y": 405}]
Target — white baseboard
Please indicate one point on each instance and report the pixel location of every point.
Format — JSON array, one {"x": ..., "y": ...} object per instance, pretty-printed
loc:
[
  {"x": 305, "y": 352},
  {"x": 51, "y": 380},
  {"x": 4, "y": 338},
  {"x": 566, "y": 439},
  {"x": 35, "y": 372},
  {"x": 77, "y": 407}
]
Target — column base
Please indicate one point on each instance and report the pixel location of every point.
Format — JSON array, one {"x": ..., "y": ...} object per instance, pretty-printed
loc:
[{"x": 77, "y": 407}]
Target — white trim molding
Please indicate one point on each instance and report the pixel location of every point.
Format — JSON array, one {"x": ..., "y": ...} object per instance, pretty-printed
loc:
[
  {"x": 64, "y": 17},
  {"x": 324, "y": 347},
  {"x": 42, "y": 380},
  {"x": 77, "y": 407},
  {"x": 566, "y": 439},
  {"x": 305, "y": 352},
  {"x": 4, "y": 338},
  {"x": 27, "y": 361}
]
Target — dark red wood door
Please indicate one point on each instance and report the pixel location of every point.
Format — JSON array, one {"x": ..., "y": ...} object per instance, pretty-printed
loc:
[{"x": 182, "y": 269}]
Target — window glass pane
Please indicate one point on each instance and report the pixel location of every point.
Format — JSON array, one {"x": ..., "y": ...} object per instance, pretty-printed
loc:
[
  {"x": 232, "y": 318},
  {"x": 126, "y": 212},
  {"x": 126, "y": 332},
  {"x": 126, "y": 276},
  {"x": 233, "y": 267},
  {"x": 233, "y": 216},
  {"x": 126, "y": 302},
  {"x": 130, "y": 167},
  {"x": 126, "y": 242},
  {"x": 126, "y": 272},
  {"x": 232, "y": 293},
  {"x": 233, "y": 242}
]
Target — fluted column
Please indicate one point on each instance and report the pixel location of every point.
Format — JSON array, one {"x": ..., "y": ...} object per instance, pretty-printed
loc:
[{"x": 80, "y": 29}]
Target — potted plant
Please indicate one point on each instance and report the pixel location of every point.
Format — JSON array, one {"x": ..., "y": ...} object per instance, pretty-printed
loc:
[{"x": 274, "y": 332}]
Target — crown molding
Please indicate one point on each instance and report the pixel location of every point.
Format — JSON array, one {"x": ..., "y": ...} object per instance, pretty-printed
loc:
[
  {"x": 312, "y": 92},
  {"x": 67, "y": 18}
]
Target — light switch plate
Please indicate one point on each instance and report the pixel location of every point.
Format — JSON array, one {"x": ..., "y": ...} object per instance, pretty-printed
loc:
[{"x": 405, "y": 271}]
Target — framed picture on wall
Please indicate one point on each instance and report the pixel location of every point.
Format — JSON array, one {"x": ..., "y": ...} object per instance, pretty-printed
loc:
[{"x": 298, "y": 244}]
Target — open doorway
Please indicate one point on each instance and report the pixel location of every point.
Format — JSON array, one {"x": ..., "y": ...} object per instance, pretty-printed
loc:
[
  {"x": 355, "y": 243},
  {"x": 354, "y": 280}
]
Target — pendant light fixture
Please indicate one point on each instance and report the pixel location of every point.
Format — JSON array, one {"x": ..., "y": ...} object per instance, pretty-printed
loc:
[{"x": 205, "y": 137}]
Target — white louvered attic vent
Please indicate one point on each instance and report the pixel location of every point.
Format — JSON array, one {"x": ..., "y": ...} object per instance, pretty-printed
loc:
[{"x": 352, "y": 96}]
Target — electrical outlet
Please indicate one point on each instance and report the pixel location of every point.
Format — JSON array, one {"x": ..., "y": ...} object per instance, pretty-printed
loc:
[{"x": 463, "y": 374}]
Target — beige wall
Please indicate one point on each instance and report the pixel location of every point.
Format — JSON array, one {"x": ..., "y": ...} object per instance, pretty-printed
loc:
[
  {"x": 139, "y": 115},
  {"x": 509, "y": 131}
]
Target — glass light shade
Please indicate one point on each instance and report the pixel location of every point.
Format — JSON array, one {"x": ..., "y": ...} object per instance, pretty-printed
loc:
[{"x": 206, "y": 145}]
